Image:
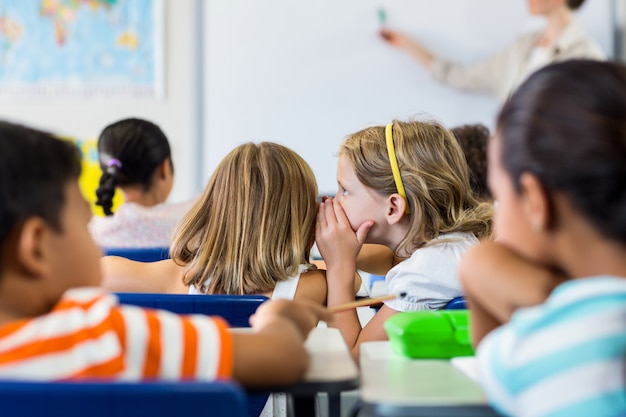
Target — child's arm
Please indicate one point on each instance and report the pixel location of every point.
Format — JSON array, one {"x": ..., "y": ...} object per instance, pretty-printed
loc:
[
  {"x": 339, "y": 245},
  {"x": 123, "y": 275},
  {"x": 312, "y": 287},
  {"x": 274, "y": 354},
  {"x": 321, "y": 271},
  {"x": 376, "y": 259},
  {"x": 497, "y": 281},
  {"x": 159, "y": 344}
]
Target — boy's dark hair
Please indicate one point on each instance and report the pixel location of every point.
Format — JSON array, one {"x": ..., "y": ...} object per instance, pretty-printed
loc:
[
  {"x": 566, "y": 124},
  {"x": 139, "y": 146},
  {"x": 35, "y": 168},
  {"x": 473, "y": 140}
]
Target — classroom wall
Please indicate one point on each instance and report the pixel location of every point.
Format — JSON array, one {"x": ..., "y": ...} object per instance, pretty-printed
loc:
[
  {"x": 213, "y": 100},
  {"x": 306, "y": 74},
  {"x": 176, "y": 113}
]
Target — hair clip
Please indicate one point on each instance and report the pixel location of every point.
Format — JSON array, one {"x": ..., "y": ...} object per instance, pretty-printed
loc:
[{"x": 112, "y": 164}]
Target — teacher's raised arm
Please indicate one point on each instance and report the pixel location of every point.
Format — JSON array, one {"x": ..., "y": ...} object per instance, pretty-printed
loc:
[{"x": 560, "y": 39}]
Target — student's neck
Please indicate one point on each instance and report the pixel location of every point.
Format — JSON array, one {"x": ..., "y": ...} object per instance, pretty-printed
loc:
[
  {"x": 558, "y": 20},
  {"x": 599, "y": 258},
  {"x": 582, "y": 251},
  {"x": 144, "y": 198},
  {"x": 19, "y": 300},
  {"x": 7, "y": 317},
  {"x": 394, "y": 236}
]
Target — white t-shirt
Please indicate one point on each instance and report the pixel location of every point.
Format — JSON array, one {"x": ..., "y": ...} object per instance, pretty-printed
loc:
[
  {"x": 538, "y": 57},
  {"x": 137, "y": 226},
  {"x": 283, "y": 290},
  {"x": 430, "y": 277}
]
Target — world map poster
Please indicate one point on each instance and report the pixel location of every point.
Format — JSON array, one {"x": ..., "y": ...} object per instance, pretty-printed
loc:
[{"x": 81, "y": 48}]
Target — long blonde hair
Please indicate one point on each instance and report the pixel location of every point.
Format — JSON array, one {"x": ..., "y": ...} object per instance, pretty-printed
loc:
[
  {"x": 435, "y": 177},
  {"x": 252, "y": 226}
]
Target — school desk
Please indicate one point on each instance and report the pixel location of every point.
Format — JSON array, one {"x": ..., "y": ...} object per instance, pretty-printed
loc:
[
  {"x": 331, "y": 371},
  {"x": 395, "y": 386}
]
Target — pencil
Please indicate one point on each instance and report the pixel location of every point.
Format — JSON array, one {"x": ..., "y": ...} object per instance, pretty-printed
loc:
[{"x": 365, "y": 302}]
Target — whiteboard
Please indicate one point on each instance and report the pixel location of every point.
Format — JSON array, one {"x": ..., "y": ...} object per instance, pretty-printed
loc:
[{"x": 308, "y": 73}]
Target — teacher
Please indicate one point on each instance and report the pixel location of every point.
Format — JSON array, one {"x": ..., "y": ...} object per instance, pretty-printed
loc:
[{"x": 500, "y": 74}]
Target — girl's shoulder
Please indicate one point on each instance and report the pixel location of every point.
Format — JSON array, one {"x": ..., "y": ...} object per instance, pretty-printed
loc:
[
  {"x": 124, "y": 275},
  {"x": 449, "y": 241},
  {"x": 312, "y": 286},
  {"x": 444, "y": 251}
]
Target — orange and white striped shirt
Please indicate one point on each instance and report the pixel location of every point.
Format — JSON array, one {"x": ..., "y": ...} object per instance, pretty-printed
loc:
[{"x": 89, "y": 335}]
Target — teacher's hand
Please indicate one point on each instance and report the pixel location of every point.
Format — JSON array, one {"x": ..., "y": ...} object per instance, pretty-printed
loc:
[
  {"x": 414, "y": 48},
  {"x": 397, "y": 39}
]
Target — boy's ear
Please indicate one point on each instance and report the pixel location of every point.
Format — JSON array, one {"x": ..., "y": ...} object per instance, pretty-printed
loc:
[
  {"x": 30, "y": 248},
  {"x": 536, "y": 202},
  {"x": 396, "y": 207}
]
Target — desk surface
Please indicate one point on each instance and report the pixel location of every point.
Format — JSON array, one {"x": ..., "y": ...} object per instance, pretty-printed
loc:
[
  {"x": 392, "y": 385},
  {"x": 331, "y": 368}
]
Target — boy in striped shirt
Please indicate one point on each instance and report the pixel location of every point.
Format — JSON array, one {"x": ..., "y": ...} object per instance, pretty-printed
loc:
[{"x": 50, "y": 329}]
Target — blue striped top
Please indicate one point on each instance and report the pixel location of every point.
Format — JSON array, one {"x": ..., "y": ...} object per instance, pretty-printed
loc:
[{"x": 566, "y": 357}]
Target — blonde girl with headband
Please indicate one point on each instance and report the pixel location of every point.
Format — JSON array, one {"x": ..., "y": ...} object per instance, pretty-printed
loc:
[{"x": 405, "y": 186}]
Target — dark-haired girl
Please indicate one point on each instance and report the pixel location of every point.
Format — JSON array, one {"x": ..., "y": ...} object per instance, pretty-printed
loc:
[
  {"x": 136, "y": 159},
  {"x": 548, "y": 298}
]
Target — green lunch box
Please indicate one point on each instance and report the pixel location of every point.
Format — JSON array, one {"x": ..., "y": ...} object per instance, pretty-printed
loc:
[{"x": 437, "y": 334}]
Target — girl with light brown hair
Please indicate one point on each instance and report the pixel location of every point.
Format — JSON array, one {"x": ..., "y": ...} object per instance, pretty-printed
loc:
[{"x": 250, "y": 232}]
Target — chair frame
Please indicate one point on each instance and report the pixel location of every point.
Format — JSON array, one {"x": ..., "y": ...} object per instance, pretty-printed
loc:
[
  {"x": 139, "y": 254},
  {"x": 457, "y": 303}
]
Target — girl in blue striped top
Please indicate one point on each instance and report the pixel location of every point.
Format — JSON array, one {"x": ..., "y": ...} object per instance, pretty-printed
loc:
[{"x": 548, "y": 298}]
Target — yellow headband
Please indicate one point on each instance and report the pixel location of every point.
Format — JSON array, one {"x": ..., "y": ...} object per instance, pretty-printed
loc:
[{"x": 393, "y": 161}]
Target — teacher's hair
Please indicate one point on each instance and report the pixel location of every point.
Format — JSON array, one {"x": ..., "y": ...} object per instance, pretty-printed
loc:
[
  {"x": 566, "y": 124},
  {"x": 574, "y": 4}
]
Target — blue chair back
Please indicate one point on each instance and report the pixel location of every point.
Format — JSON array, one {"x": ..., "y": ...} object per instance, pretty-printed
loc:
[
  {"x": 236, "y": 309},
  {"x": 122, "y": 399},
  {"x": 457, "y": 303},
  {"x": 139, "y": 254}
]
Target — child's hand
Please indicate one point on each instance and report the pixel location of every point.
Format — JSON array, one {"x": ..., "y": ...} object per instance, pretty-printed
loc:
[
  {"x": 334, "y": 236},
  {"x": 304, "y": 315}
]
